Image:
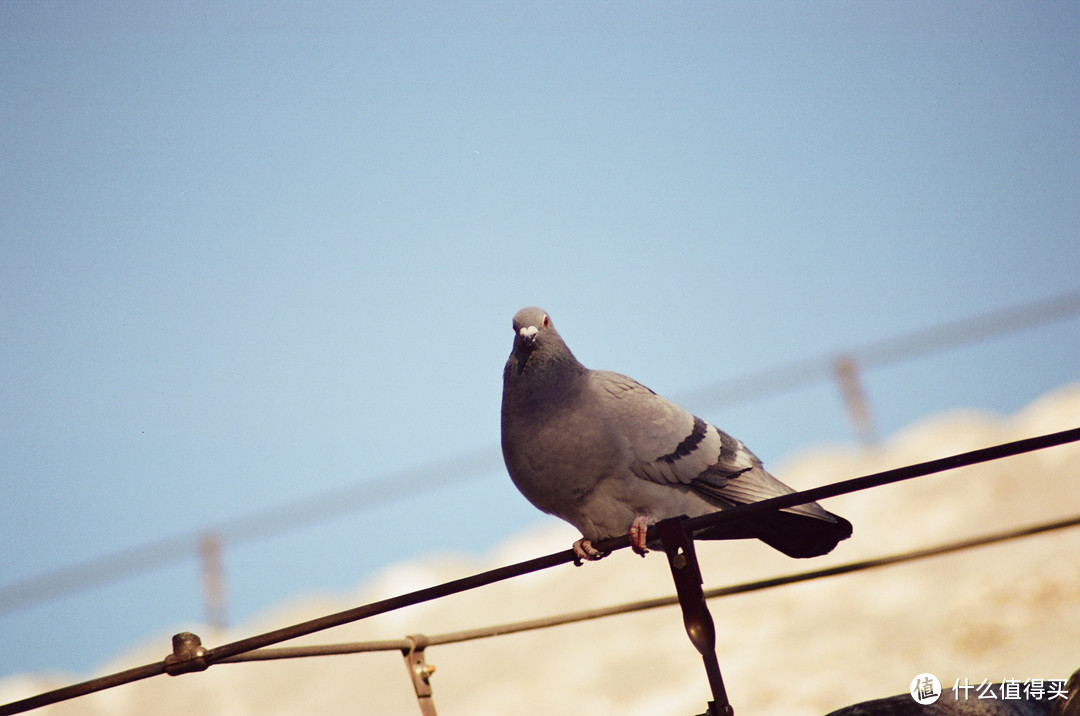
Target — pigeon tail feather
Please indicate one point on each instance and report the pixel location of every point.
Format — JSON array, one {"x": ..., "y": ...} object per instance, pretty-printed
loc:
[{"x": 795, "y": 535}]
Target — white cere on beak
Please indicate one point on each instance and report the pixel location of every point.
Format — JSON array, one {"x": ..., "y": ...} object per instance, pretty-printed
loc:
[{"x": 528, "y": 332}]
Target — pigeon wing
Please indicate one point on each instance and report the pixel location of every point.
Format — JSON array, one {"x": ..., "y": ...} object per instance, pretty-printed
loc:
[{"x": 670, "y": 445}]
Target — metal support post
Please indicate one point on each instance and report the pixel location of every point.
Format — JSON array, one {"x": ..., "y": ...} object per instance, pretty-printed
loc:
[
  {"x": 699, "y": 624},
  {"x": 213, "y": 575},
  {"x": 846, "y": 370},
  {"x": 420, "y": 673}
]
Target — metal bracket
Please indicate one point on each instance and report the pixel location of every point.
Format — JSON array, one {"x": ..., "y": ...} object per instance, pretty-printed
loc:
[
  {"x": 696, "y": 617},
  {"x": 188, "y": 655},
  {"x": 420, "y": 672}
]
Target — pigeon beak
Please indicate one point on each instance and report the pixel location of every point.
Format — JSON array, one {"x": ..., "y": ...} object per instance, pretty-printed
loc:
[{"x": 528, "y": 335}]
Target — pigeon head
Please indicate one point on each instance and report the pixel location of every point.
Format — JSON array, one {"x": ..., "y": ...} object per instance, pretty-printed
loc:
[
  {"x": 536, "y": 342},
  {"x": 532, "y": 328}
]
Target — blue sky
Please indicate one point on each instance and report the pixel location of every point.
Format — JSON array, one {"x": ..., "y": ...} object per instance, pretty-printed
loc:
[{"x": 256, "y": 252}]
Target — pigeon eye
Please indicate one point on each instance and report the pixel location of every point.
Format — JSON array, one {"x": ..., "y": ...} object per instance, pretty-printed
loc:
[{"x": 547, "y": 321}]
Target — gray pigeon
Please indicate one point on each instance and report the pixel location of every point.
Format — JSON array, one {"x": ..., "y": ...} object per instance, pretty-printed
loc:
[{"x": 610, "y": 456}]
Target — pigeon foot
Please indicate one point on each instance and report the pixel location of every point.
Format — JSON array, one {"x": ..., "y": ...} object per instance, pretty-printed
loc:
[
  {"x": 584, "y": 551},
  {"x": 638, "y": 529}
]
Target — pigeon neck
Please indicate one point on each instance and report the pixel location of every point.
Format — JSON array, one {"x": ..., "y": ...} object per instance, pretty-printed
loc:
[{"x": 546, "y": 372}]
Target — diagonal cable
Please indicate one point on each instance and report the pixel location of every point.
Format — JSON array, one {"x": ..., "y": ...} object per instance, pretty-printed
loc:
[{"x": 208, "y": 657}]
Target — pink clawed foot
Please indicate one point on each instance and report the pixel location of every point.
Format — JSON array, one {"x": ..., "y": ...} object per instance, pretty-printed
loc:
[
  {"x": 638, "y": 529},
  {"x": 584, "y": 551}
]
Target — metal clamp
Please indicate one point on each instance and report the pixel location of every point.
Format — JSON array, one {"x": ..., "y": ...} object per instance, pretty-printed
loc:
[
  {"x": 420, "y": 672},
  {"x": 188, "y": 655}
]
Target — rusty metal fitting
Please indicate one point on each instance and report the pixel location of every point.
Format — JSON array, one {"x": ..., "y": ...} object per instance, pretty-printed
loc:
[
  {"x": 419, "y": 669},
  {"x": 188, "y": 655}
]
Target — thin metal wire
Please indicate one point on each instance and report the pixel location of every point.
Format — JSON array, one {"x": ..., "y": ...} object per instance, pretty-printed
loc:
[
  {"x": 221, "y": 653},
  {"x": 788, "y": 376},
  {"x": 265, "y": 523},
  {"x": 973, "y": 457},
  {"x": 583, "y": 615},
  {"x": 457, "y": 469}
]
